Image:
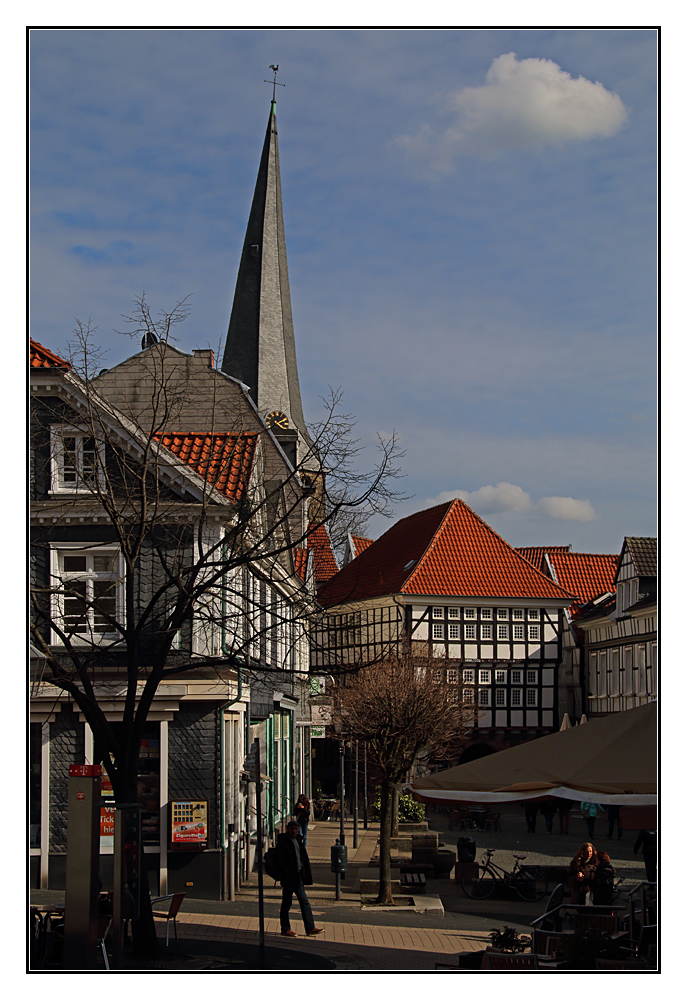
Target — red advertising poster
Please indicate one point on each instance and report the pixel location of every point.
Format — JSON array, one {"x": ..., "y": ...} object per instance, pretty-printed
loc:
[
  {"x": 107, "y": 813},
  {"x": 189, "y": 823}
]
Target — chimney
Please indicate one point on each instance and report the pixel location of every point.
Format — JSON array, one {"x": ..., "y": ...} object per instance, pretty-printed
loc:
[{"x": 206, "y": 356}]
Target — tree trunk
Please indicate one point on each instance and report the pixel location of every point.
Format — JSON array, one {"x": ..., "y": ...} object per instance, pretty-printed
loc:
[
  {"x": 394, "y": 812},
  {"x": 385, "y": 898},
  {"x": 143, "y": 934}
]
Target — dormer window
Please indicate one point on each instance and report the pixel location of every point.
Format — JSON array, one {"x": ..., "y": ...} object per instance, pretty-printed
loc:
[{"x": 77, "y": 460}]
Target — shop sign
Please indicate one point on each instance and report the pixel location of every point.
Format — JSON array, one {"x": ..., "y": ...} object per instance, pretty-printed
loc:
[{"x": 189, "y": 823}]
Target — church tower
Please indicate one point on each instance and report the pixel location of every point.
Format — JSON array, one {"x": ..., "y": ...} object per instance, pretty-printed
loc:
[{"x": 261, "y": 349}]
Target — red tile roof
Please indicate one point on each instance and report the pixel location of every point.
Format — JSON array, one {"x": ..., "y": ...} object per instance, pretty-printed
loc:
[
  {"x": 444, "y": 551},
  {"x": 586, "y": 574},
  {"x": 535, "y": 554},
  {"x": 223, "y": 460},
  {"x": 300, "y": 561},
  {"x": 325, "y": 561},
  {"x": 41, "y": 357},
  {"x": 360, "y": 544}
]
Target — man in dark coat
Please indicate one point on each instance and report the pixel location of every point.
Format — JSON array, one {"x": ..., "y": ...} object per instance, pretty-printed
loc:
[
  {"x": 648, "y": 841},
  {"x": 295, "y": 865}
]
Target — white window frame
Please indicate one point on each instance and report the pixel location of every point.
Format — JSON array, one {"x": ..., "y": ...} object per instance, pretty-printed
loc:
[
  {"x": 470, "y": 631},
  {"x": 468, "y": 695},
  {"x": 533, "y": 614},
  {"x": 484, "y": 676},
  {"x": 454, "y": 632},
  {"x": 58, "y": 432},
  {"x": 469, "y": 676},
  {"x": 500, "y": 676},
  {"x": 518, "y": 633},
  {"x": 502, "y": 614},
  {"x": 454, "y": 612},
  {"x": 615, "y": 671},
  {"x": 518, "y": 615},
  {"x": 58, "y": 574},
  {"x": 531, "y": 698},
  {"x": 470, "y": 614},
  {"x": 485, "y": 613},
  {"x": 502, "y": 632},
  {"x": 532, "y": 676},
  {"x": 516, "y": 676},
  {"x": 500, "y": 698},
  {"x": 592, "y": 672},
  {"x": 533, "y": 633},
  {"x": 452, "y": 676},
  {"x": 487, "y": 632},
  {"x": 516, "y": 697},
  {"x": 484, "y": 697},
  {"x": 437, "y": 631},
  {"x": 438, "y": 613}
]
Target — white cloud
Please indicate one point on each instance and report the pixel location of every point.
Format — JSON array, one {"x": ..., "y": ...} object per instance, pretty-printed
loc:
[
  {"x": 523, "y": 103},
  {"x": 490, "y": 499},
  {"x": 567, "y": 509}
]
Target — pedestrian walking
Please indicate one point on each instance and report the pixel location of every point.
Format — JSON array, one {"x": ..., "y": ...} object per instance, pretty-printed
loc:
[
  {"x": 581, "y": 873},
  {"x": 531, "y": 810},
  {"x": 295, "y": 874},
  {"x": 564, "y": 808},
  {"x": 590, "y": 810},
  {"x": 604, "y": 880},
  {"x": 613, "y": 813},
  {"x": 648, "y": 841},
  {"x": 302, "y": 814},
  {"x": 549, "y": 810}
]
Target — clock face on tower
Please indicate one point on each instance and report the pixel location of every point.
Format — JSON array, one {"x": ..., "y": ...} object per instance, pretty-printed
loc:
[{"x": 277, "y": 421}]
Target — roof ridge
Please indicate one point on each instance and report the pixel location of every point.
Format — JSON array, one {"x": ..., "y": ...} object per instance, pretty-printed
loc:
[{"x": 414, "y": 569}]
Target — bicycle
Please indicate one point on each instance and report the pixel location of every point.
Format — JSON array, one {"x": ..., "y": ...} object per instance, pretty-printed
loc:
[{"x": 530, "y": 884}]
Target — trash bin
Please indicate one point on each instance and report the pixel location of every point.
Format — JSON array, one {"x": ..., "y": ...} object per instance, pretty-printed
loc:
[{"x": 467, "y": 849}]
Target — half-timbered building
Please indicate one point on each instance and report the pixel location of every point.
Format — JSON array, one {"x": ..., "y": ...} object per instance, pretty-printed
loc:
[{"x": 445, "y": 580}]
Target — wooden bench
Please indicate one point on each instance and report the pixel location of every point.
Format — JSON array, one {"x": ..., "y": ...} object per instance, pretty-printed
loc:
[{"x": 415, "y": 881}]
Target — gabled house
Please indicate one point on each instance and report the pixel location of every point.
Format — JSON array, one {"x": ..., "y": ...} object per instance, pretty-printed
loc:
[{"x": 442, "y": 578}]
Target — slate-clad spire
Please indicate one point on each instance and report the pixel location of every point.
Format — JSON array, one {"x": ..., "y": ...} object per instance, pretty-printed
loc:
[{"x": 261, "y": 349}]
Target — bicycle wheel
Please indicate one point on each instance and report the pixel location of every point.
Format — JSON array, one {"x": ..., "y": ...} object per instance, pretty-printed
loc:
[
  {"x": 478, "y": 882},
  {"x": 531, "y": 884}
]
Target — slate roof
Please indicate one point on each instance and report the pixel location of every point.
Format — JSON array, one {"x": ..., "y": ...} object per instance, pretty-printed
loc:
[
  {"x": 444, "y": 551},
  {"x": 325, "y": 565},
  {"x": 41, "y": 357},
  {"x": 643, "y": 552},
  {"x": 223, "y": 460}
]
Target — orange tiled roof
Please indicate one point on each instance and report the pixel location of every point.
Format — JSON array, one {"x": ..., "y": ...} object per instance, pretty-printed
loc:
[
  {"x": 300, "y": 561},
  {"x": 360, "y": 544},
  {"x": 41, "y": 357},
  {"x": 325, "y": 561},
  {"x": 586, "y": 574},
  {"x": 223, "y": 460},
  {"x": 444, "y": 551},
  {"x": 535, "y": 553}
]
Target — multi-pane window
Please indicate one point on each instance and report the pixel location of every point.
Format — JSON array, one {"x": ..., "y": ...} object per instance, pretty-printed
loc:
[
  {"x": 437, "y": 630},
  {"x": 77, "y": 460},
  {"x": 500, "y": 697},
  {"x": 454, "y": 632},
  {"x": 615, "y": 671},
  {"x": 516, "y": 676},
  {"x": 603, "y": 666},
  {"x": 502, "y": 613},
  {"x": 533, "y": 633},
  {"x": 533, "y": 614},
  {"x": 485, "y": 676},
  {"x": 452, "y": 676},
  {"x": 518, "y": 631},
  {"x": 470, "y": 631},
  {"x": 516, "y": 697},
  {"x": 592, "y": 674},
  {"x": 89, "y": 593},
  {"x": 454, "y": 612},
  {"x": 531, "y": 697},
  {"x": 486, "y": 631},
  {"x": 532, "y": 676},
  {"x": 486, "y": 613},
  {"x": 469, "y": 695},
  {"x": 518, "y": 615},
  {"x": 470, "y": 613},
  {"x": 485, "y": 697},
  {"x": 500, "y": 676},
  {"x": 502, "y": 631},
  {"x": 641, "y": 656},
  {"x": 468, "y": 676},
  {"x": 438, "y": 612}
]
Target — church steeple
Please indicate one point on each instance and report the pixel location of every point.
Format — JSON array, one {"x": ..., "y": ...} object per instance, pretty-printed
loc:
[{"x": 261, "y": 348}]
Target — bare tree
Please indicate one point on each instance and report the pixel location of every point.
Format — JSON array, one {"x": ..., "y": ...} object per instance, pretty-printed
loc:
[
  {"x": 404, "y": 710},
  {"x": 193, "y": 564}
]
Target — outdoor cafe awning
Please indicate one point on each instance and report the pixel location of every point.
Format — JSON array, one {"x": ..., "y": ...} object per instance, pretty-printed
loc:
[{"x": 612, "y": 760}]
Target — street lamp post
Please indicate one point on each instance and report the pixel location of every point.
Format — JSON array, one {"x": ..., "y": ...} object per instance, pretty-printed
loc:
[
  {"x": 355, "y": 799},
  {"x": 342, "y": 751}
]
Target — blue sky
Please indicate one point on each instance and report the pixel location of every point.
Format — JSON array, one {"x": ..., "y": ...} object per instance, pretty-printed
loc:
[{"x": 470, "y": 219}]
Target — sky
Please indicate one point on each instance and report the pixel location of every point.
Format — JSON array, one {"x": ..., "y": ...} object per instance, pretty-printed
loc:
[{"x": 470, "y": 219}]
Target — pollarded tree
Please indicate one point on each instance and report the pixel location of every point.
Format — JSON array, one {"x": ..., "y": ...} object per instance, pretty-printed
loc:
[{"x": 403, "y": 709}]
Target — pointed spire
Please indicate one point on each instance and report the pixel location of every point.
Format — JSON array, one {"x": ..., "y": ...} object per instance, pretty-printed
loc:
[{"x": 261, "y": 349}]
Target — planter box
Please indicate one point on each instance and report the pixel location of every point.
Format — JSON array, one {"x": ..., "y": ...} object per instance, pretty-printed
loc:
[
  {"x": 426, "y": 840},
  {"x": 370, "y": 886},
  {"x": 405, "y": 828}
]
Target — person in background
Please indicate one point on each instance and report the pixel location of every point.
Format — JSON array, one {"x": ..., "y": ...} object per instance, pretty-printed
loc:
[
  {"x": 302, "y": 814},
  {"x": 613, "y": 813},
  {"x": 564, "y": 808},
  {"x": 581, "y": 873},
  {"x": 590, "y": 810},
  {"x": 293, "y": 861},
  {"x": 531, "y": 810},
  {"x": 648, "y": 841},
  {"x": 549, "y": 810},
  {"x": 604, "y": 878}
]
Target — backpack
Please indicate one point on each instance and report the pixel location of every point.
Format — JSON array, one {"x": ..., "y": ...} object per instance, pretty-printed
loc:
[{"x": 272, "y": 865}]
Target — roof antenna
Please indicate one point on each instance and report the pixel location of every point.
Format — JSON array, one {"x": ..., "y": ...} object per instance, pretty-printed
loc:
[{"x": 275, "y": 84}]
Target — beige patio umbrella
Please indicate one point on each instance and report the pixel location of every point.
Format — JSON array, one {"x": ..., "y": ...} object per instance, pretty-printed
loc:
[
  {"x": 566, "y": 723},
  {"x": 611, "y": 760}
]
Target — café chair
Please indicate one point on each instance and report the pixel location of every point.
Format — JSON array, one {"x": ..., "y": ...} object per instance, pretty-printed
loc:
[{"x": 175, "y": 905}]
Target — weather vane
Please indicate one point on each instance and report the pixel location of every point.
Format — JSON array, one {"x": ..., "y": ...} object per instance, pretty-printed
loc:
[{"x": 274, "y": 82}]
